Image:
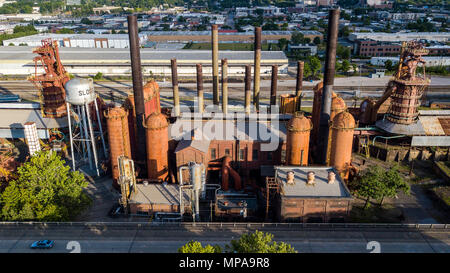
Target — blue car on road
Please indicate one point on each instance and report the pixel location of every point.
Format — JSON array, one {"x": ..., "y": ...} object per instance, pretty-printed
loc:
[{"x": 43, "y": 244}]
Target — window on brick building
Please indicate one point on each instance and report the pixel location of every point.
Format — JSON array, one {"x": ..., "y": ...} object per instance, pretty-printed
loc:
[
  {"x": 227, "y": 152},
  {"x": 241, "y": 154},
  {"x": 255, "y": 155},
  {"x": 213, "y": 153}
]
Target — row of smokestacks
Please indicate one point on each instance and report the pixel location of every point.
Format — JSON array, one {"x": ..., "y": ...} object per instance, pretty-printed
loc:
[{"x": 153, "y": 149}]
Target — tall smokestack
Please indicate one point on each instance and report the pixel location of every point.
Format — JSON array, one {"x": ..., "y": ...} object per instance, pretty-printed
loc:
[
  {"x": 215, "y": 63},
  {"x": 257, "y": 67},
  {"x": 299, "y": 85},
  {"x": 176, "y": 96},
  {"x": 138, "y": 91},
  {"x": 225, "y": 86},
  {"x": 273, "y": 86},
  {"x": 248, "y": 92},
  {"x": 200, "y": 88},
  {"x": 333, "y": 24}
]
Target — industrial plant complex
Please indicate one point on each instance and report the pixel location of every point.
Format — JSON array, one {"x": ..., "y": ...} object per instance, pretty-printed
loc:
[{"x": 275, "y": 157}]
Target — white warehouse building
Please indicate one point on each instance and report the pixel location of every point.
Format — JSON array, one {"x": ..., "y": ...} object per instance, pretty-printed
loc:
[
  {"x": 116, "y": 61},
  {"x": 77, "y": 40},
  {"x": 431, "y": 61}
]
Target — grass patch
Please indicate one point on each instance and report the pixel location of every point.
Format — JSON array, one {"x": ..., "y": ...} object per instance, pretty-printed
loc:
[
  {"x": 376, "y": 214},
  {"x": 444, "y": 166},
  {"x": 443, "y": 192}
]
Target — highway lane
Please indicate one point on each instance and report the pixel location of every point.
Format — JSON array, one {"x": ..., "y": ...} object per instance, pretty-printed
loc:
[{"x": 131, "y": 239}]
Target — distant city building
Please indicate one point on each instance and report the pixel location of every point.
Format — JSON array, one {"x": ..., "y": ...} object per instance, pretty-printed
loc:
[
  {"x": 77, "y": 40},
  {"x": 303, "y": 50},
  {"x": 325, "y": 2},
  {"x": 441, "y": 50},
  {"x": 430, "y": 61},
  {"x": 400, "y": 36},
  {"x": 370, "y": 48},
  {"x": 73, "y": 2}
]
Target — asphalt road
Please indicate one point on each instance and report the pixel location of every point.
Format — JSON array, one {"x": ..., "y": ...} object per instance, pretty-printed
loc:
[{"x": 123, "y": 239}]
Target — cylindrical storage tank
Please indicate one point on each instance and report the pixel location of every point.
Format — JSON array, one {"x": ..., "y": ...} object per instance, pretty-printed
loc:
[
  {"x": 151, "y": 98},
  {"x": 53, "y": 98},
  {"x": 157, "y": 147},
  {"x": 132, "y": 129},
  {"x": 80, "y": 91},
  {"x": 337, "y": 105},
  {"x": 288, "y": 103},
  {"x": 297, "y": 146},
  {"x": 365, "y": 111},
  {"x": 118, "y": 136},
  {"x": 342, "y": 128}
]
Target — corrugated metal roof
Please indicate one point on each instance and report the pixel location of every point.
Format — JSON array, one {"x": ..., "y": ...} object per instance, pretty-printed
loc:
[{"x": 164, "y": 193}]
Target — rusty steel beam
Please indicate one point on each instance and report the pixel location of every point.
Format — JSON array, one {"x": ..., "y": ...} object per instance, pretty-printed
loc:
[
  {"x": 215, "y": 62},
  {"x": 225, "y": 86},
  {"x": 257, "y": 67},
  {"x": 248, "y": 92},
  {"x": 273, "y": 85},
  {"x": 176, "y": 96},
  {"x": 330, "y": 65},
  {"x": 200, "y": 88},
  {"x": 136, "y": 72}
]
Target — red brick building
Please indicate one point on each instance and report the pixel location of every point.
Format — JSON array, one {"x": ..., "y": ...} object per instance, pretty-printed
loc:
[{"x": 370, "y": 48}]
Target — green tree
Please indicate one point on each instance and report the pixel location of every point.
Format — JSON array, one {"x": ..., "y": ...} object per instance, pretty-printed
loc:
[
  {"x": 377, "y": 183},
  {"x": 282, "y": 43},
  {"x": 315, "y": 65},
  {"x": 45, "y": 190},
  {"x": 388, "y": 65},
  {"x": 65, "y": 31},
  {"x": 345, "y": 66},
  {"x": 258, "y": 242},
  {"x": 98, "y": 76},
  {"x": 297, "y": 38},
  {"x": 196, "y": 247},
  {"x": 316, "y": 41}
]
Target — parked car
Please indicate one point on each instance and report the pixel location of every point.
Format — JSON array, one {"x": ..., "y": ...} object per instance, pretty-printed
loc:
[{"x": 43, "y": 244}]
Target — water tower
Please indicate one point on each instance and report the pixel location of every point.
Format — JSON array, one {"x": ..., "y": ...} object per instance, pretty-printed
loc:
[{"x": 79, "y": 95}]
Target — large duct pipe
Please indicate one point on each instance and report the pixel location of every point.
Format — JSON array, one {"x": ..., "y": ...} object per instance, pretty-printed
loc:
[
  {"x": 215, "y": 63},
  {"x": 225, "y": 86},
  {"x": 200, "y": 88},
  {"x": 257, "y": 67},
  {"x": 138, "y": 91},
  {"x": 299, "y": 85},
  {"x": 176, "y": 96},
  {"x": 273, "y": 85},
  {"x": 248, "y": 92},
  {"x": 333, "y": 24}
]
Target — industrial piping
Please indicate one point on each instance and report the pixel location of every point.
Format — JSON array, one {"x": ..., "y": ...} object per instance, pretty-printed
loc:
[
  {"x": 200, "y": 88},
  {"x": 215, "y": 63},
  {"x": 257, "y": 67},
  {"x": 273, "y": 85},
  {"x": 248, "y": 94},
  {"x": 176, "y": 97},
  {"x": 325, "y": 111},
  {"x": 225, "y": 86},
  {"x": 137, "y": 87}
]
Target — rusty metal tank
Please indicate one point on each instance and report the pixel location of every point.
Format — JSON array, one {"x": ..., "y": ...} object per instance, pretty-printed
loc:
[
  {"x": 157, "y": 147},
  {"x": 151, "y": 98},
  {"x": 297, "y": 145},
  {"x": 132, "y": 129},
  {"x": 337, "y": 105},
  {"x": 317, "y": 105},
  {"x": 342, "y": 128},
  {"x": 118, "y": 136}
]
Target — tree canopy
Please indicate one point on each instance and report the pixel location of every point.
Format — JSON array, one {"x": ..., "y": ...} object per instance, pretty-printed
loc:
[
  {"x": 196, "y": 247},
  {"x": 45, "y": 190},
  {"x": 377, "y": 183},
  {"x": 257, "y": 242}
]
